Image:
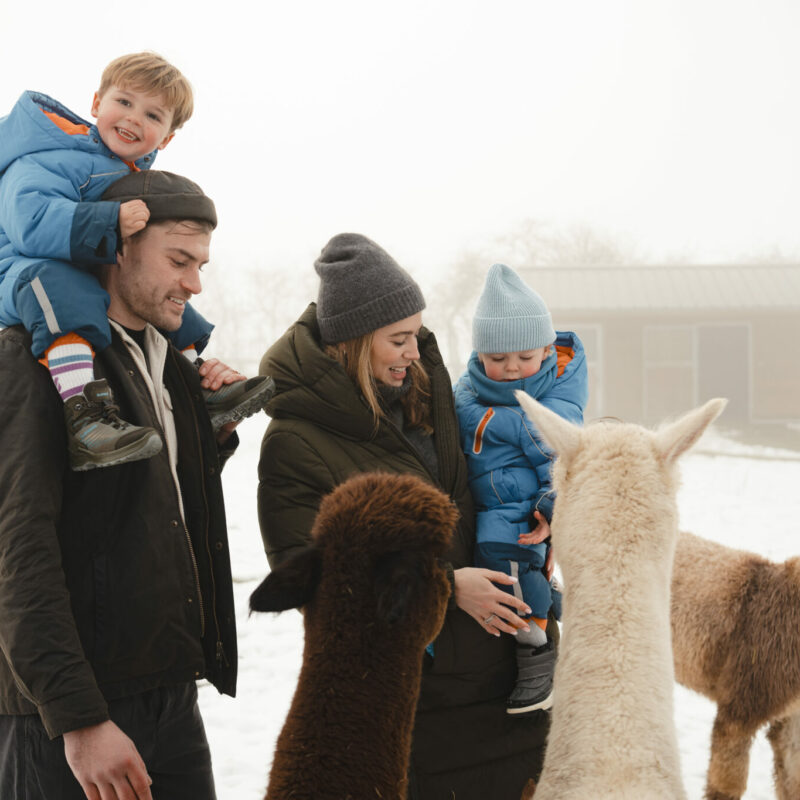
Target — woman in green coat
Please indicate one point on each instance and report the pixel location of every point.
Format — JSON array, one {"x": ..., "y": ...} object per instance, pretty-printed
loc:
[{"x": 361, "y": 386}]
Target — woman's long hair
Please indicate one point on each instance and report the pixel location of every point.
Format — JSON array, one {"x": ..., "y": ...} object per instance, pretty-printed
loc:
[{"x": 354, "y": 356}]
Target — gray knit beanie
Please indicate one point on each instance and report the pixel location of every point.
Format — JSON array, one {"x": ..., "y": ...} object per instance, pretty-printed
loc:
[
  {"x": 166, "y": 195},
  {"x": 510, "y": 317},
  {"x": 362, "y": 288}
]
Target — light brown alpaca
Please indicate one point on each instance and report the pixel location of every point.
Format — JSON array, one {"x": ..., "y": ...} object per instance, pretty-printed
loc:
[
  {"x": 614, "y": 529},
  {"x": 374, "y": 593},
  {"x": 736, "y": 639}
]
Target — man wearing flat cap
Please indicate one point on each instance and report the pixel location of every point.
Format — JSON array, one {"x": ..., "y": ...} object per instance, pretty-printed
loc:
[{"x": 115, "y": 584}]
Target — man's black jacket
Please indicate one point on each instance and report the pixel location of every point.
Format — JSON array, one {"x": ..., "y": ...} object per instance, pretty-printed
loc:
[{"x": 104, "y": 591}]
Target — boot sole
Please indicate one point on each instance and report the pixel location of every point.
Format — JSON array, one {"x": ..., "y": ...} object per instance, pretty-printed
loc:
[
  {"x": 542, "y": 705},
  {"x": 147, "y": 448},
  {"x": 245, "y": 408}
]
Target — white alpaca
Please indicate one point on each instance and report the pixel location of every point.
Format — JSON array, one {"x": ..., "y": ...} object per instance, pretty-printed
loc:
[{"x": 614, "y": 530}]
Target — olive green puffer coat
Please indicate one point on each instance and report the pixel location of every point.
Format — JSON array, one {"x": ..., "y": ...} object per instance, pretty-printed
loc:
[{"x": 322, "y": 432}]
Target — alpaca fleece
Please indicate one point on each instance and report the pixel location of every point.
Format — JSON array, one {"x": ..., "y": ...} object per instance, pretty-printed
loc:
[
  {"x": 374, "y": 593},
  {"x": 736, "y": 639},
  {"x": 613, "y": 531}
]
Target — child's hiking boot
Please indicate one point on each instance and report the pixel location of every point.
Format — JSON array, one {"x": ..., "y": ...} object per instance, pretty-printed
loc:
[
  {"x": 534, "y": 687},
  {"x": 97, "y": 437},
  {"x": 235, "y": 401}
]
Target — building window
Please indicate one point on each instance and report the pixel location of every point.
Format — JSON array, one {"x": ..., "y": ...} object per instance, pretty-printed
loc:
[{"x": 670, "y": 370}]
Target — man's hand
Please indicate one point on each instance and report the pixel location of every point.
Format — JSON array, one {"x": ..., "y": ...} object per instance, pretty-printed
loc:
[
  {"x": 106, "y": 763},
  {"x": 214, "y": 373},
  {"x": 224, "y": 433},
  {"x": 133, "y": 216}
]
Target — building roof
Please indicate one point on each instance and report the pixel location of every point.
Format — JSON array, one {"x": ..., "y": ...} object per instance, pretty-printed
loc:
[{"x": 667, "y": 288}]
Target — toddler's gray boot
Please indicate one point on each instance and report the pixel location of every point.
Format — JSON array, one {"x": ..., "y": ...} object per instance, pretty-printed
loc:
[{"x": 534, "y": 687}]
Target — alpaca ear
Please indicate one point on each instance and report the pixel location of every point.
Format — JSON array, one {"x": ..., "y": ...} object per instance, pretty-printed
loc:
[
  {"x": 291, "y": 584},
  {"x": 676, "y": 438},
  {"x": 399, "y": 579},
  {"x": 560, "y": 435}
]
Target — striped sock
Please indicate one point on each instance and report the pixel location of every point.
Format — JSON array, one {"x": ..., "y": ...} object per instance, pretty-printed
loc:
[{"x": 69, "y": 360}]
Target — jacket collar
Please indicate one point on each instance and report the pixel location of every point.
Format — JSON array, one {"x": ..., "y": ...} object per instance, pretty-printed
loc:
[{"x": 501, "y": 393}]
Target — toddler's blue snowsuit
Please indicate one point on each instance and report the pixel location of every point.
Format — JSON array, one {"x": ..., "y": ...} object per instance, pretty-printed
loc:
[{"x": 509, "y": 466}]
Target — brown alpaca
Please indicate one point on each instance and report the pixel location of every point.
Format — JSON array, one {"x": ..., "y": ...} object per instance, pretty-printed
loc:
[
  {"x": 736, "y": 639},
  {"x": 374, "y": 593}
]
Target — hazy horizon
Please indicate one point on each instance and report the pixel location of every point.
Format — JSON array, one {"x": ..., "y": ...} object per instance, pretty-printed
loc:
[{"x": 435, "y": 127}]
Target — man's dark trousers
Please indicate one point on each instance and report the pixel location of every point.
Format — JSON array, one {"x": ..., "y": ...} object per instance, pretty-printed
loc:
[{"x": 164, "y": 724}]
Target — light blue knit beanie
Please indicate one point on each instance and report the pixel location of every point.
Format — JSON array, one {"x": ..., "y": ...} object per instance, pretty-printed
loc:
[{"x": 510, "y": 316}]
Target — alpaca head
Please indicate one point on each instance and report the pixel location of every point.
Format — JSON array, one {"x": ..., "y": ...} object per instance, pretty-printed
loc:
[
  {"x": 618, "y": 472},
  {"x": 375, "y": 559}
]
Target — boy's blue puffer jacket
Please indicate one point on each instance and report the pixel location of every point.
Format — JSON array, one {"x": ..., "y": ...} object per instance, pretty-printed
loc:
[
  {"x": 54, "y": 167},
  {"x": 509, "y": 466}
]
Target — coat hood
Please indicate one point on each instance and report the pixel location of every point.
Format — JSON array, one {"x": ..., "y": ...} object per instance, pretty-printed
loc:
[
  {"x": 310, "y": 385},
  {"x": 27, "y": 129}
]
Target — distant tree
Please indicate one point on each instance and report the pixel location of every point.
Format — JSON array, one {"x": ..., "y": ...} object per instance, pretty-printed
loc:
[
  {"x": 773, "y": 256},
  {"x": 533, "y": 244},
  {"x": 251, "y": 311},
  {"x": 450, "y": 307}
]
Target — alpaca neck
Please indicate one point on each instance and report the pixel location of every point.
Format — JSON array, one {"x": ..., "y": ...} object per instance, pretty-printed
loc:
[
  {"x": 621, "y": 618},
  {"x": 368, "y": 696},
  {"x": 614, "y": 675}
]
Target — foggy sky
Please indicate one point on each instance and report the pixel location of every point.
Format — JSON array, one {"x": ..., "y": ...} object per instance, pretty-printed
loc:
[{"x": 430, "y": 126}]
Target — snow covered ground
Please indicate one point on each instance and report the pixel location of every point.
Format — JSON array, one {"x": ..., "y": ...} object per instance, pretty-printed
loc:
[{"x": 744, "y": 496}]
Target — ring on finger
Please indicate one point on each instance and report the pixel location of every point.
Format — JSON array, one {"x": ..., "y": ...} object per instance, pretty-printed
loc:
[{"x": 489, "y": 619}]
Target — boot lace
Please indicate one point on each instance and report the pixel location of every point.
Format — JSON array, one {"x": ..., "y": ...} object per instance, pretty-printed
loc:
[
  {"x": 103, "y": 411},
  {"x": 110, "y": 411}
]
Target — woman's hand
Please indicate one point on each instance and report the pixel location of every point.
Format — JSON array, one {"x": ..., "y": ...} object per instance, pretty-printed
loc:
[
  {"x": 538, "y": 534},
  {"x": 495, "y": 610}
]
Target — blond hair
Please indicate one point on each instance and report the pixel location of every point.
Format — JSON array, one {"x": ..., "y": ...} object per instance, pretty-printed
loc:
[
  {"x": 150, "y": 73},
  {"x": 354, "y": 356}
]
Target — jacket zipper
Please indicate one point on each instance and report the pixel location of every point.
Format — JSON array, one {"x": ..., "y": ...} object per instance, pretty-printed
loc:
[
  {"x": 220, "y": 652},
  {"x": 196, "y": 572}
]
